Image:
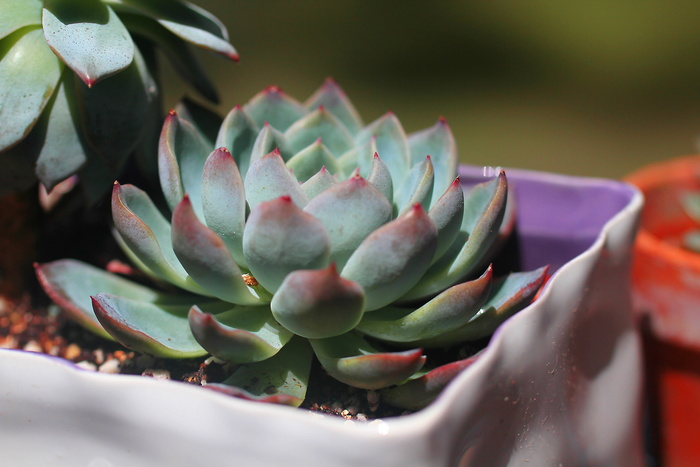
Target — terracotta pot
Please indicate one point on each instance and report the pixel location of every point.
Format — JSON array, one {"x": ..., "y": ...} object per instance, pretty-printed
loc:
[
  {"x": 666, "y": 291},
  {"x": 559, "y": 383}
]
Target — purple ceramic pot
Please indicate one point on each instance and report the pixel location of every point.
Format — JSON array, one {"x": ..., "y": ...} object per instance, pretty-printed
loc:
[{"x": 559, "y": 383}]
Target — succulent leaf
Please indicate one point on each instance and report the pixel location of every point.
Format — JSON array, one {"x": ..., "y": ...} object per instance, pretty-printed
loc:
[
  {"x": 318, "y": 303},
  {"x": 380, "y": 177},
  {"x": 450, "y": 310},
  {"x": 147, "y": 235},
  {"x": 280, "y": 238},
  {"x": 223, "y": 201},
  {"x": 319, "y": 124},
  {"x": 484, "y": 209},
  {"x": 417, "y": 187},
  {"x": 269, "y": 140},
  {"x": 66, "y": 155},
  {"x": 393, "y": 258},
  {"x": 240, "y": 335},
  {"x": 27, "y": 86},
  {"x": 391, "y": 144},
  {"x": 510, "y": 294},
  {"x": 182, "y": 153},
  {"x": 284, "y": 374},
  {"x": 349, "y": 210},
  {"x": 419, "y": 392},
  {"x": 321, "y": 181},
  {"x": 206, "y": 121},
  {"x": 447, "y": 213},
  {"x": 307, "y": 162},
  {"x": 89, "y": 37},
  {"x": 333, "y": 99},
  {"x": 439, "y": 143},
  {"x": 18, "y": 14},
  {"x": 237, "y": 134},
  {"x": 161, "y": 331},
  {"x": 351, "y": 360},
  {"x": 70, "y": 283},
  {"x": 206, "y": 259},
  {"x": 274, "y": 107},
  {"x": 268, "y": 178}
]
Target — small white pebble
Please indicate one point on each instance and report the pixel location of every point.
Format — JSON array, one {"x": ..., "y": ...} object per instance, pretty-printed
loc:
[
  {"x": 85, "y": 365},
  {"x": 157, "y": 373},
  {"x": 110, "y": 366},
  {"x": 32, "y": 346},
  {"x": 361, "y": 417},
  {"x": 99, "y": 356}
]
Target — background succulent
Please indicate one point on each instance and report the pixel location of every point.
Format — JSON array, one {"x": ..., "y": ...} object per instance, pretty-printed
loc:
[
  {"x": 298, "y": 231},
  {"x": 80, "y": 85},
  {"x": 691, "y": 204}
]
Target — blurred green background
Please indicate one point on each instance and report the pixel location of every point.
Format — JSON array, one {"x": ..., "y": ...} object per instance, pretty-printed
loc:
[{"x": 595, "y": 88}]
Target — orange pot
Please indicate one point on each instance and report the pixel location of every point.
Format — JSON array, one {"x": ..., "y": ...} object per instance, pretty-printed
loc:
[{"x": 666, "y": 294}]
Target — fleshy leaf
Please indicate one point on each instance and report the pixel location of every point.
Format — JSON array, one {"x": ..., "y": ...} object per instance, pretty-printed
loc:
[
  {"x": 380, "y": 177},
  {"x": 484, "y": 208},
  {"x": 393, "y": 258},
  {"x": 240, "y": 335},
  {"x": 307, "y": 162},
  {"x": 17, "y": 14},
  {"x": 417, "y": 187},
  {"x": 223, "y": 201},
  {"x": 284, "y": 374},
  {"x": 27, "y": 85},
  {"x": 267, "y": 141},
  {"x": 318, "y": 303},
  {"x": 206, "y": 259},
  {"x": 280, "y": 238},
  {"x": 509, "y": 295},
  {"x": 438, "y": 143},
  {"x": 189, "y": 22},
  {"x": 321, "y": 181},
  {"x": 274, "y": 107},
  {"x": 351, "y": 360},
  {"x": 182, "y": 152},
  {"x": 237, "y": 134},
  {"x": 349, "y": 210},
  {"x": 205, "y": 120},
  {"x": 70, "y": 283},
  {"x": 391, "y": 144},
  {"x": 418, "y": 393},
  {"x": 146, "y": 235},
  {"x": 113, "y": 113},
  {"x": 447, "y": 213},
  {"x": 319, "y": 124},
  {"x": 268, "y": 178},
  {"x": 334, "y": 100},
  {"x": 450, "y": 310},
  {"x": 161, "y": 331},
  {"x": 66, "y": 153},
  {"x": 87, "y": 36}
]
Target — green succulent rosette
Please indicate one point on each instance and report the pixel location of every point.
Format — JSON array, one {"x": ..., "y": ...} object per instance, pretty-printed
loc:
[
  {"x": 80, "y": 92},
  {"x": 296, "y": 231}
]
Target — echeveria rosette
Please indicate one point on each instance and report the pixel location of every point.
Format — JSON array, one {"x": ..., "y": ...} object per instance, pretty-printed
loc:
[
  {"x": 298, "y": 231},
  {"x": 79, "y": 90}
]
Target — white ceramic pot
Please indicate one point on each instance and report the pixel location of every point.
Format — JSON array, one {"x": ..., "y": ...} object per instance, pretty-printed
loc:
[{"x": 560, "y": 382}]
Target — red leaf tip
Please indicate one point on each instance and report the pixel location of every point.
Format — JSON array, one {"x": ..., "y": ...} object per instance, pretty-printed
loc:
[{"x": 172, "y": 112}]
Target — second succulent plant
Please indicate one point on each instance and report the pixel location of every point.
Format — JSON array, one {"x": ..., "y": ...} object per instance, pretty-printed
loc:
[{"x": 297, "y": 231}]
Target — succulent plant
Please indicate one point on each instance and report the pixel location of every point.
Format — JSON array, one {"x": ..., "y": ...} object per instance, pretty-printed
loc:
[
  {"x": 691, "y": 205},
  {"x": 79, "y": 83},
  {"x": 299, "y": 231}
]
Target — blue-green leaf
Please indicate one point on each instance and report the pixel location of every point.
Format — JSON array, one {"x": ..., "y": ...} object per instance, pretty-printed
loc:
[
  {"x": 319, "y": 124},
  {"x": 438, "y": 143},
  {"x": 320, "y": 182},
  {"x": 269, "y": 178},
  {"x": 239, "y": 335},
  {"x": 274, "y": 107},
  {"x": 393, "y": 258},
  {"x": 17, "y": 14},
  {"x": 333, "y": 99},
  {"x": 27, "y": 85},
  {"x": 280, "y": 238},
  {"x": 87, "y": 36},
  {"x": 351, "y": 360},
  {"x": 307, "y": 162},
  {"x": 417, "y": 187},
  {"x": 238, "y": 134},
  {"x": 391, "y": 144}
]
